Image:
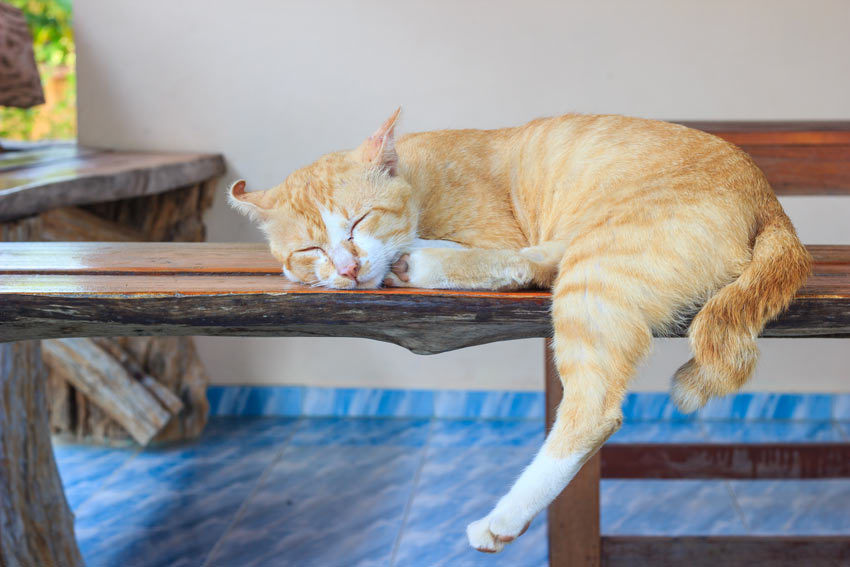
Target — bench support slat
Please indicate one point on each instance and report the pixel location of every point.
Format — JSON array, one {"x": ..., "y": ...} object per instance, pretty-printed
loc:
[
  {"x": 573, "y": 518},
  {"x": 36, "y": 524},
  {"x": 762, "y": 460},
  {"x": 729, "y": 551}
]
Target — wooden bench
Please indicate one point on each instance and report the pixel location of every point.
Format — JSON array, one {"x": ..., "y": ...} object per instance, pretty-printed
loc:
[
  {"x": 51, "y": 290},
  {"x": 97, "y": 289}
]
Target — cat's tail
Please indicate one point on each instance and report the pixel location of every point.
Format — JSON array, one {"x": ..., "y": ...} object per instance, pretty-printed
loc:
[{"x": 723, "y": 333}]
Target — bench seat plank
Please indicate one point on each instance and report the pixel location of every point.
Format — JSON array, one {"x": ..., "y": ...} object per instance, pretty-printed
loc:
[
  {"x": 50, "y": 290},
  {"x": 101, "y": 258}
]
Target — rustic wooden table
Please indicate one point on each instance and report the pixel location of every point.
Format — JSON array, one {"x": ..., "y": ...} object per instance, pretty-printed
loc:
[{"x": 63, "y": 192}]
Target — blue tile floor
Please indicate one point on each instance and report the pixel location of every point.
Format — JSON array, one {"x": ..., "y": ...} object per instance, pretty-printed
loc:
[{"x": 378, "y": 492}]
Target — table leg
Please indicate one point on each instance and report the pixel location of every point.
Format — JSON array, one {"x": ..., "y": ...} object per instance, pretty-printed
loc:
[
  {"x": 36, "y": 524},
  {"x": 574, "y": 538}
]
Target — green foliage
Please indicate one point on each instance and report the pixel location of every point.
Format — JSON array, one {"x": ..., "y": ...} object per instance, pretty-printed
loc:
[
  {"x": 53, "y": 44},
  {"x": 50, "y": 25}
]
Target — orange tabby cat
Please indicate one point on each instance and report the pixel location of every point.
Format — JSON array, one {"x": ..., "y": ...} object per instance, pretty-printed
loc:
[{"x": 633, "y": 223}]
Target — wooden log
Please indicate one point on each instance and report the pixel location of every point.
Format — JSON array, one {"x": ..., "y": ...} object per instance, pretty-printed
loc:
[
  {"x": 573, "y": 518},
  {"x": 165, "y": 396},
  {"x": 176, "y": 364},
  {"x": 36, "y": 524},
  {"x": 105, "y": 381}
]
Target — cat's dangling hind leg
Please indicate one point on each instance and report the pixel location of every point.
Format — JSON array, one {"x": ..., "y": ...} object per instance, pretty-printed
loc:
[{"x": 600, "y": 337}]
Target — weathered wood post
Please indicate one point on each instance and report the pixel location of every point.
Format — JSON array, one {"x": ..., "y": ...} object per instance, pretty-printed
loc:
[{"x": 36, "y": 524}]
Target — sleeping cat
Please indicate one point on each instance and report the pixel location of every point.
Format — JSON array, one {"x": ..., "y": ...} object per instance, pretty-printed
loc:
[{"x": 632, "y": 223}]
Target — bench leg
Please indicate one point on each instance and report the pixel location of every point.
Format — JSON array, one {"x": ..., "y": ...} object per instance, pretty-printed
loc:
[
  {"x": 36, "y": 524},
  {"x": 574, "y": 539}
]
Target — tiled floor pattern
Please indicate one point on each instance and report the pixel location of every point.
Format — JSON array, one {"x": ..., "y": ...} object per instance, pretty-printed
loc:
[{"x": 345, "y": 492}]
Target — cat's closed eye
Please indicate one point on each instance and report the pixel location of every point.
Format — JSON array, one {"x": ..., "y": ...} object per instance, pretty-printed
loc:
[
  {"x": 351, "y": 234},
  {"x": 310, "y": 249}
]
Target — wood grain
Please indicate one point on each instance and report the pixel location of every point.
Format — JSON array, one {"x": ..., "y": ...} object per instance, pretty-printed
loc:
[
  {"x": 36, "y": 524},
  {"x": 172, "y": 215},
  {"x": 98, "y": 177},
  {"x": 106, "y": 382},
  {"x": 754, "y": 133},
  {"x": 798, "y": 158},
  {"x": 166, "y": 397},
  {"x": 724, "y": 460},
  {"x": 254, "y": 258},
  {"x": 182, "y": 298}
]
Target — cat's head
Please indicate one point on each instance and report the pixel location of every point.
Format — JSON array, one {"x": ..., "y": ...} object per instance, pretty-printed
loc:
[{"x": 341, "y": 221}]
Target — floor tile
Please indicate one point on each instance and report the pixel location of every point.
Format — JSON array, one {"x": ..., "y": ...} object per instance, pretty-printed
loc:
[
  {"x": 161, "y": 511},
  {"x": 659, "y": 432},
  {"x": 233, "y": 438},
  {"x": 668, "y": 507},
  {"x": 772, "y": 431},
  {"x": 459, "y": 485},
  {"x": 795, "y": 507},
  {"x": 362, "y": 431},
  {"x": 486, "y": 433},
  {"x": 334, "y": 492},
  {"x": 326, "y": 506},
  {"x": 85, "y": 468}
]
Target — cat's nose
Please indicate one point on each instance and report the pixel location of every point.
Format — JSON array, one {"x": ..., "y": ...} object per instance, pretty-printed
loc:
[{"x": 349, "y": 269}]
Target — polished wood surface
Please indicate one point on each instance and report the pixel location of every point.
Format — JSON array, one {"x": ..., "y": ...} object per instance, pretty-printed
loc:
[
  {"x": 725, "y": 460},
  {"x": 37, "y": 180},
  {"x": 51, "y": 290},
  {"x": 41, "y": 155},
  {"x": 799, "y": 158}
]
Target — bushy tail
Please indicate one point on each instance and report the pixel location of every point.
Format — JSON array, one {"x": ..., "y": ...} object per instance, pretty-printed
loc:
[{"x": 723, "y": 333}]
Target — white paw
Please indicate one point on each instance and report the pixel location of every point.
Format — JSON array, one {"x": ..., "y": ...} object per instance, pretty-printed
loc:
[
  {"x": 491, "y": 534},
  {"x": 481, "y": 538}
]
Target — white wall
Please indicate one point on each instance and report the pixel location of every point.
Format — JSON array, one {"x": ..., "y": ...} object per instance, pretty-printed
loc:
[{"x": 272, "y": 85}]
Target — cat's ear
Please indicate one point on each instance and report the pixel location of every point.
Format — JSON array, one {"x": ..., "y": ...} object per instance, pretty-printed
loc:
[
  {"x": 254, "y": 204},
  {"x": 379, "y": 148}
]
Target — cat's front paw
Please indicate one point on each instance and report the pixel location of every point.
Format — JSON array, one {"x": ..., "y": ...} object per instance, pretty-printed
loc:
[
  {"x": 418, "y": 268},
  {"x": 399, "y": 275},
  {"x": 491, "y": 533},
  {"x": 481, "y": 538}
]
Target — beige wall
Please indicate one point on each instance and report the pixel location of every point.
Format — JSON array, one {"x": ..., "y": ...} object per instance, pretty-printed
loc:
[{"x": 272, "y": 85}]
